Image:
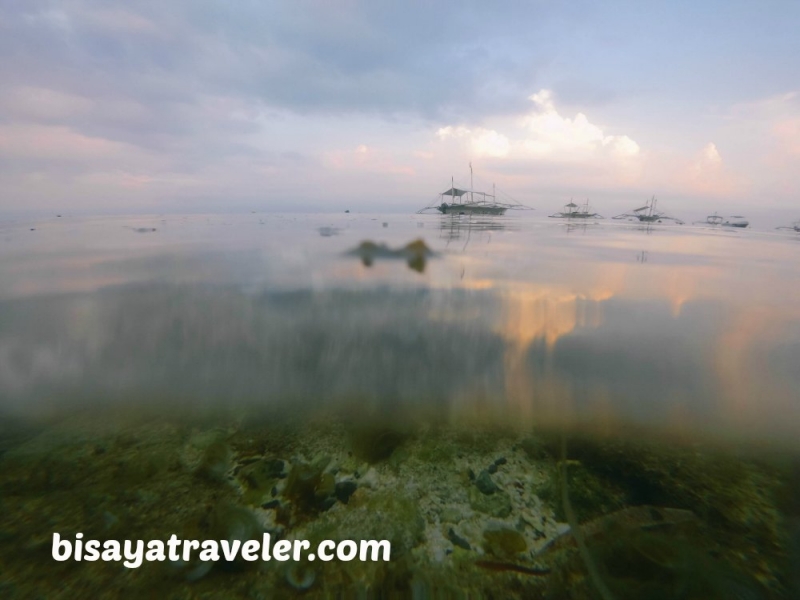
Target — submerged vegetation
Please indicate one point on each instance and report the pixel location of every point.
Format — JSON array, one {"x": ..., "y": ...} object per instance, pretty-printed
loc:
[
  {"x": 467, "y": 511},
  {"x": 415, "y": 253}
]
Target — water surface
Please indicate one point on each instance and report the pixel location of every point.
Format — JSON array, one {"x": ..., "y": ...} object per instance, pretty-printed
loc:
[{"x": 677, "y": 328}]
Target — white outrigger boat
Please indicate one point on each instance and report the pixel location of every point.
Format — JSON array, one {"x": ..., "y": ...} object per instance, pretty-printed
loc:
[
  {"x": 648, "y": 214},
  {"x": 573, "y": 211},
  {"x": 716, "y": 220},
  {"x": 793, "y": 227},
  {"x": 455, "y": 201}
]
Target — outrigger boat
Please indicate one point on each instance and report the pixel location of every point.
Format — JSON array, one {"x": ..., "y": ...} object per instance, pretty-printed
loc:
[
  {"x": 573, "y": 211},
  {"x": 456, "y": 201},
  {"x": 793, "y": 227},
  {"x": 716, "y": 220},
  {"x": 648, "y": 214}
]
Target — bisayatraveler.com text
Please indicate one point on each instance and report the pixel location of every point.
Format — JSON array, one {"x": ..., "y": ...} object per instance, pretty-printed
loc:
[{"x": 132, "y": 553}]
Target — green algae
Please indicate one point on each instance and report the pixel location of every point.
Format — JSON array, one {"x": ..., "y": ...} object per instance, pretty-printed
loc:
[
  {"x": 309, "y": 488},
  {"x": 503, "y": 541},
  {"x": 496, "y": 505},
  {"x": 376, "y": 442},
  {"x": 590, "y": 494},
  {"x": 216, "y": 461},
  {"x": 143, "y": 484}
]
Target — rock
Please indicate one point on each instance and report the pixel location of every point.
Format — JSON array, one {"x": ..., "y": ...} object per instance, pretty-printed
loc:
[
  {"x": 485, "y": 484},
  {"x": 300, "y": 576},
  {"x": 345, "y": 489},
  {"x": 216, "y": 461},
  {"x": 497, "y": 505},
  {"x": 262, "y": 473},
  {"x": 503, "y": 541},
  {"x": 309, "y": 487},
  {"x": 260, "y": 479},
  {"x": 369, "y": 479},
  {"x": 451, "y": 514},
  {"x": 458, "y": 540},
  {"x": 391, "y": 515}
]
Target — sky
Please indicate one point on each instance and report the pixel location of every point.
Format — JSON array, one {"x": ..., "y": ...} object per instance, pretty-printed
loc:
[{"x": 209, "y": 105}]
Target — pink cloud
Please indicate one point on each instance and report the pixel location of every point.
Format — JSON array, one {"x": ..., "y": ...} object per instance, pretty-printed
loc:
[
  {"x": 367, "y": 159},
  {"x": 57, "y": 142},
  {"x": 787, "y": 131}
]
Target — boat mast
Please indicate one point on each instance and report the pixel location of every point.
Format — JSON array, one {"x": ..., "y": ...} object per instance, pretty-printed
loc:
[
  {"x": 471, "y": 185},
  {"x": 452, "y": 190}
]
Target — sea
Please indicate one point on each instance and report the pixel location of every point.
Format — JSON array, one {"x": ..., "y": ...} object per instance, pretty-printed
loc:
[{"x": 524, "y": 407}]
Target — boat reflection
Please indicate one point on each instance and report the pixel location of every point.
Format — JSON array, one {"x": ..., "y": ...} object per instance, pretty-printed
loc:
[{"x": 473, "y": 228}]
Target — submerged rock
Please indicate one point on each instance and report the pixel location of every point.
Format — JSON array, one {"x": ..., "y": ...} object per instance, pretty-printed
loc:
[
  {"x": 458, "y": 540},
  {"x": 262, "y": 473},
  {"x": 485, "y": 483},
  {"x": 300, "y": 576},
  {"x": 345, "y": 489},
  {"x": 215, "y": 462},
  {"x": 309, "y": 487},
  {"x": 415, "y": 253},
  {"x": 503, "y": 541},
  {"x": 497, "y": 504}
]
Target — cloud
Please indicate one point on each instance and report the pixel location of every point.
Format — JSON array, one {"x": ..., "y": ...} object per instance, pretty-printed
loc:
[
  {"x": 367, "y": 160},
  {"x": 552, "y": 136},
  {"x": 482, "y": 142},
  {"x": 305, "y": 56},
  {"x": 60, "y": 143},
  {"x": 544, "y": 134},
  {"x": 708, "y": 175},
  {"x": 546, "y": 149},
  {"x": 42, "y": 104},
  {"x": 787, "y": 133},
  {"x": 169, "y": 98},
  {"x": 542, "y": 147},
  {"x": 764, "y": 137},
  {"x": 711, "y": 154}
]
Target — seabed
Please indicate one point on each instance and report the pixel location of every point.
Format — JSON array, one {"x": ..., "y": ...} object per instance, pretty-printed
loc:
[{"x": 471, "y": 511}]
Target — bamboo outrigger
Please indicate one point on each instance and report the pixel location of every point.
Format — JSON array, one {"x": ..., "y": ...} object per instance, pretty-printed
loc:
[
  {"x": 456, "y": 201},
  {"x": 648, "y": 214},
  {"x": 574, "y": 211}
]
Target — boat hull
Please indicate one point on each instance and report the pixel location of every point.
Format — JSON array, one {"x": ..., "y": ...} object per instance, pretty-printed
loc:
[
  {"x": 471, "y": 209},
  {"x": 574, "y": 216}
]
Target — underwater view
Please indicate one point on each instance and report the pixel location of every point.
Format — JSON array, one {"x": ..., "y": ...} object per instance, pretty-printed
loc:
[{"x": 522, "y": 407}]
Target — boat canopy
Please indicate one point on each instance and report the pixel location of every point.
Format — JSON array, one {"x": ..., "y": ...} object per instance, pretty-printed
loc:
[{"x": 454, "y": 192}]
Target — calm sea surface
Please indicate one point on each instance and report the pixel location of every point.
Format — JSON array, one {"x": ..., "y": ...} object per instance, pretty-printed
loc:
[{"x": 678, "y": 328}]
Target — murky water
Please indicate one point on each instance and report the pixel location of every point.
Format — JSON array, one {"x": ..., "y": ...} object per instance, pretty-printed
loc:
[{"x": 146, "y": 362}]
